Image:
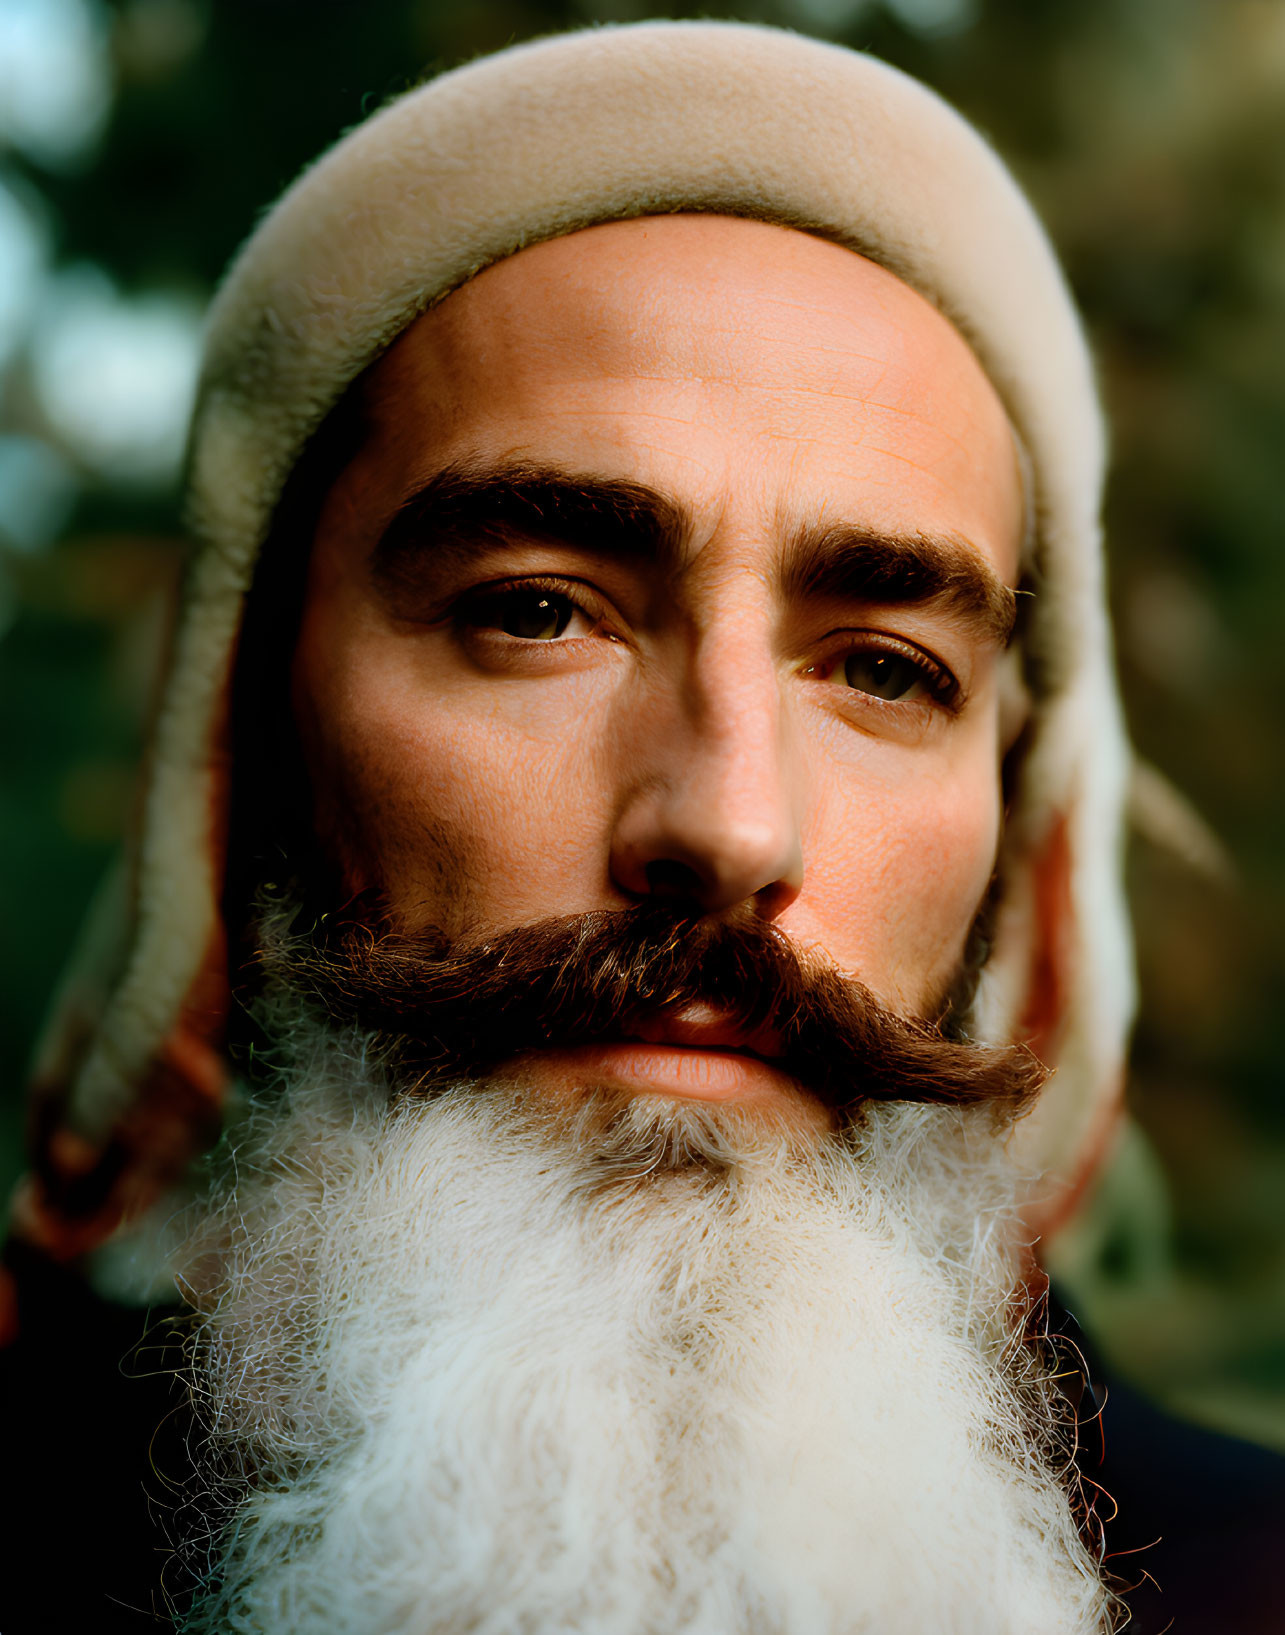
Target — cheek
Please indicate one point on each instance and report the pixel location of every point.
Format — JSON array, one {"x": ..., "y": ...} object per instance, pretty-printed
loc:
[
  {"x": 457, "y": 812},
  {"x": 897, "y": 870}
]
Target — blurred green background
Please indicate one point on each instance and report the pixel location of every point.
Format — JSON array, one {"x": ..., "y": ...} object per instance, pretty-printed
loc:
[{"x": 138, "y": 142}]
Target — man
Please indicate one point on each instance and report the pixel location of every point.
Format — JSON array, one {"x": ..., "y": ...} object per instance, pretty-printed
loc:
[{"x": 639, "y": 837}]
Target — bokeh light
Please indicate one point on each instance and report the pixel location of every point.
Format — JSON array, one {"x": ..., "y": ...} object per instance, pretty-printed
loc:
[
  {"x": 55, "y": 78},
  {"x": 114, "y": 376},
  {"x": 38, "y": 490},
  {"x": 24, "y": 257}
]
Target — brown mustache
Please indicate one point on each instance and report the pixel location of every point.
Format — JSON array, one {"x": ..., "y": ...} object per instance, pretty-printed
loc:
[{"x": 455, "y": 1011}]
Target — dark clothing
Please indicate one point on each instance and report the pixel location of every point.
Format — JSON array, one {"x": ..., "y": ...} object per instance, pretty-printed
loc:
[
  {"x": 96, "y": 1461},
  {"x": 95, "y": 1423},
  {"x": 1214, "y": 1507},
  {"x": 1193, "y": 1520}
]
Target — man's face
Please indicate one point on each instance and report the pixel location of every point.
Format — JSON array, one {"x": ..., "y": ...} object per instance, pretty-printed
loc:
[{"x": 673, "y": 563}]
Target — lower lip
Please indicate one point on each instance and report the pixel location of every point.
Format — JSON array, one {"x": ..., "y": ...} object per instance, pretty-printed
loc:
[{"x": 670, "y": 1070}]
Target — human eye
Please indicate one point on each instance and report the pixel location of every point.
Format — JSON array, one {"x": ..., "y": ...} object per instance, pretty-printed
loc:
[
  {"x": 529, "y": 611},
  {"x": 884, "y": 668}
]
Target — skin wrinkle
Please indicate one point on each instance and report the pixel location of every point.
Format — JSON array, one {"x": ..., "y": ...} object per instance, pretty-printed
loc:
[{"x": 869, "y": 400}]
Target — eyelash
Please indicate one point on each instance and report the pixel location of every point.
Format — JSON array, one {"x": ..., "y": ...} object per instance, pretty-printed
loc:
[
  {"x": 573, "y": 592},
  {"x": 940, "y": 686}
]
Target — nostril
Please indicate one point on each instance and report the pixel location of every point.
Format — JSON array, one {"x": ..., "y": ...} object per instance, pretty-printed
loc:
[{"x": 668, "y": 878}]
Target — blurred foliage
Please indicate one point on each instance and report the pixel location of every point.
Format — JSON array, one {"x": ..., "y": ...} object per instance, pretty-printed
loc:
[{"x": 1151, "y": 135}]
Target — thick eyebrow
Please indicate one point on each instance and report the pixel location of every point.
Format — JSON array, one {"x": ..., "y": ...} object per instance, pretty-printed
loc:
[
  {"x": 856, "y": 564},
  {"x": 465, "y": 505}
]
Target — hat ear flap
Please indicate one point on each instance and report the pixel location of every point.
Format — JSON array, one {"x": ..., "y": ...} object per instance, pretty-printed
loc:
[
  {"x": 119, "y": 1109},
  {"x": 1029, "y": 995}
]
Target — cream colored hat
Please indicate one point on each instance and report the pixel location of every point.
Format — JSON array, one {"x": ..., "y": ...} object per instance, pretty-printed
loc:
[{"x": 524, "y": 146}]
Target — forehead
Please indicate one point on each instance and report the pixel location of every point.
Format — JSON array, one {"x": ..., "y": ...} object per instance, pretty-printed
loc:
[{"x": 757, "y": 372}]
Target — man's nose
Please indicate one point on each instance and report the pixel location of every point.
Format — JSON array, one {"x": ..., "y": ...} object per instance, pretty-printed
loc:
[{"x": 713, "y": 793}]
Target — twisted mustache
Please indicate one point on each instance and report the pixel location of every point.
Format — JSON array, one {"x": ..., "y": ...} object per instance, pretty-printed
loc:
[{"x": 450, "y": 1010}]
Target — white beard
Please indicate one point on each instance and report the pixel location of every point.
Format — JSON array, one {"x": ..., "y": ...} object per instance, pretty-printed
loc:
[{"x": 493, "y": 1371}]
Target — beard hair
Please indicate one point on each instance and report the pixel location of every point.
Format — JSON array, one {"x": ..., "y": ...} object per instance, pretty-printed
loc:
[{"x": 473, "y": 1363}]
